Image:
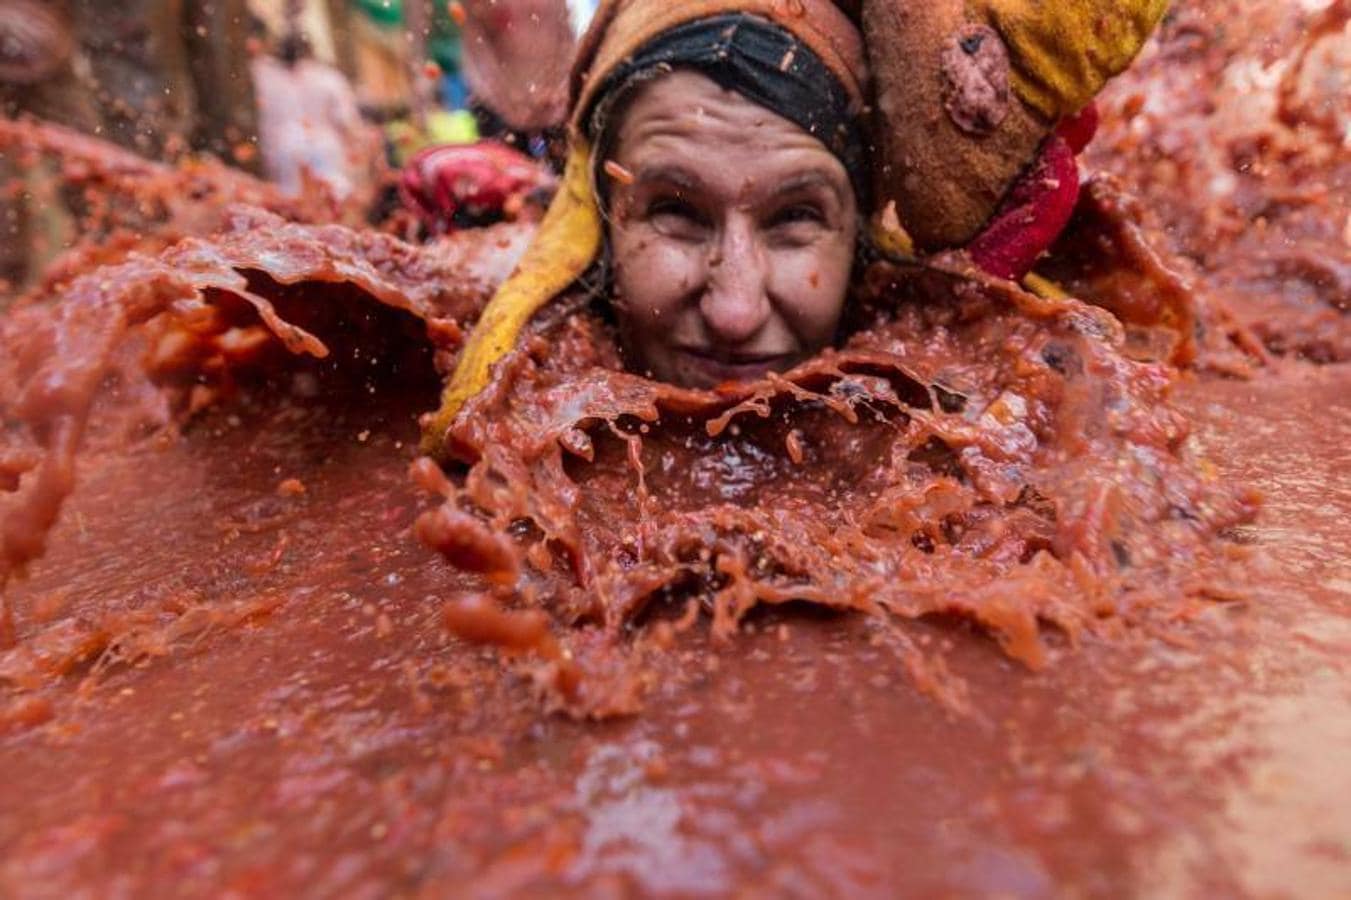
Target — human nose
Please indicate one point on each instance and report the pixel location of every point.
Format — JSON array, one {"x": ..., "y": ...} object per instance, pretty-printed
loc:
[{"x": 736, "y": 304}]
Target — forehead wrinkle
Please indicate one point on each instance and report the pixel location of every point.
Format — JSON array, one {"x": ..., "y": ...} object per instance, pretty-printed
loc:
[
  {"x": 691, "y": 162},
  {"x": 686, "y": 131}
]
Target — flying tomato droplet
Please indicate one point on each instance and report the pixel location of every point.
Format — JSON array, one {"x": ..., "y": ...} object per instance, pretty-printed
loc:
[{"x": 618, "y": 172}]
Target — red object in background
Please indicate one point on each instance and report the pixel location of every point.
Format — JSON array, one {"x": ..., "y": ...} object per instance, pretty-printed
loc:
[
  {"x": 458, "y": 186},
  {"x": 1039, "y": 205}
]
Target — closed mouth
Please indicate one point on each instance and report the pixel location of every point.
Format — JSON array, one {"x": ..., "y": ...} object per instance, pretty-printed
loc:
[
  {"x": 717, "y": 367},
  {"x": 733, "y": 360}
]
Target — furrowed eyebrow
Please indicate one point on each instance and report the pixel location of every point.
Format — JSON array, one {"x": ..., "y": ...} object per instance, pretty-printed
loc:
[
  {"x": 672, "y": 175},
  {"x": 807, "y": 181}
]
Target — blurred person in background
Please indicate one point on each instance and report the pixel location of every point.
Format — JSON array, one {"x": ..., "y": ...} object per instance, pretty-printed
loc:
[{"x": 309, "y": 121}]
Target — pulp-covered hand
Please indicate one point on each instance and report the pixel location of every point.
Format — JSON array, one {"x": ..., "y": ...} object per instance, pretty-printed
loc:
[{"x": 517, "y": 55}]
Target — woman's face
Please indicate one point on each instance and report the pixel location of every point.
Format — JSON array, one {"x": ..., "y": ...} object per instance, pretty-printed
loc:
[{"x": 732, "y": 232}]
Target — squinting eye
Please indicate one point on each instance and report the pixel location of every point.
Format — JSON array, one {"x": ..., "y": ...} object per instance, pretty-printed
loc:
[
  {"x": 678, "y": 209},
  {"x": 676, "y": 218},
  {"x": 800, "y": 213}
]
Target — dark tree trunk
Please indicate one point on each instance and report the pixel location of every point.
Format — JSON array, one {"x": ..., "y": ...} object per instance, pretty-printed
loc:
[
  {"x": 139, "y": 65},
  {"x": 214, "y": 34}
]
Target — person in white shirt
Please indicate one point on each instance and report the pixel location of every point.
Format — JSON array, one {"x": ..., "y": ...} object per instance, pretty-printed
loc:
[{"x": 308, "y": 120}]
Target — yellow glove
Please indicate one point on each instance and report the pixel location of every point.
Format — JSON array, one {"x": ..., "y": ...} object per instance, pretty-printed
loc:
[
  {"x": 568, "y": 242},
  {"x": 1065, "y": 52}
]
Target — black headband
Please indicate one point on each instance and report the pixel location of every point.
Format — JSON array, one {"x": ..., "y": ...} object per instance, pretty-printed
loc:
[{"x": 765, "y": 63}]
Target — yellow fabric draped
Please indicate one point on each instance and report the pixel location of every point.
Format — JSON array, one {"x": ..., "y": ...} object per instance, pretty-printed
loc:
[{"x": 568, "y": 242}]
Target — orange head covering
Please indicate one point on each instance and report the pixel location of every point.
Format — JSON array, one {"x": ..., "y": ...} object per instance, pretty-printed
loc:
[
  {"x": 622, "y": 27},
  {"x": 814, "y": 77}
]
